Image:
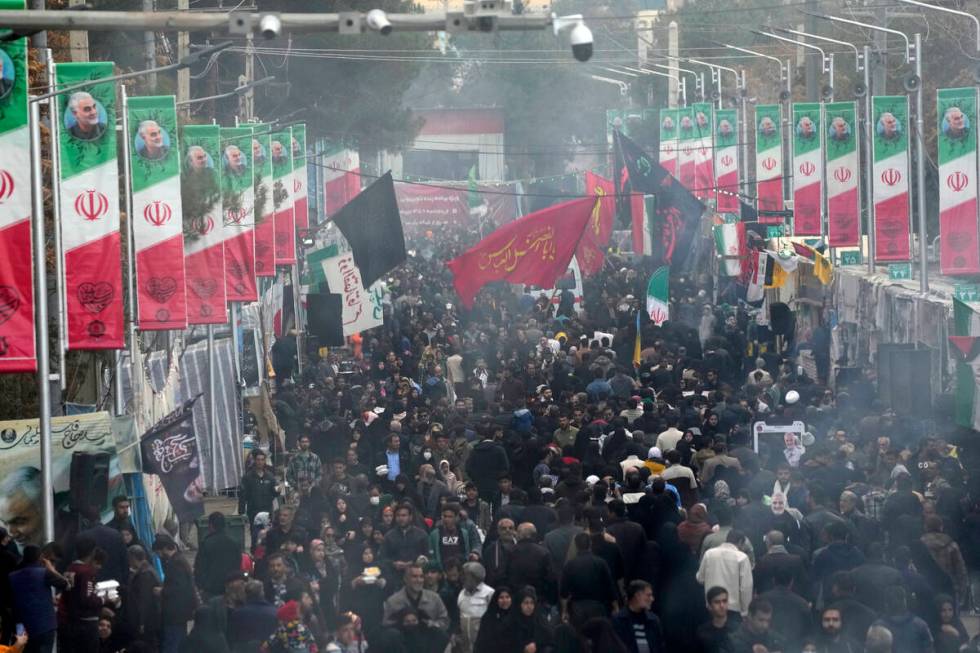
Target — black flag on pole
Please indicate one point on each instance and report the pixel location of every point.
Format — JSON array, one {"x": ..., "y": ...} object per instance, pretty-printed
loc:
[
  {"x": 372, "y": 226},
  {"x": 678, "y": 213},
  {"x": 169, "y": 450}
]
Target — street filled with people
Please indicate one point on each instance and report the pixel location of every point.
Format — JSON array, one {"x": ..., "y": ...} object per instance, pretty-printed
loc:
[{"x": 529, "y": 476}]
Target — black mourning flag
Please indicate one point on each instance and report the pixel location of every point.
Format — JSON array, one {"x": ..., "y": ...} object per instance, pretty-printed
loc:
[
  {"x": 372, "y": 226},
  {"x": 678, "y": 212},
  {"x": 325, "y": 318},
  {"x": 749, "y": 213}
]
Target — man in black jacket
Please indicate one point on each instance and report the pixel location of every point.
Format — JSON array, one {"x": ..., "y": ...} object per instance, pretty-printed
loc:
[
  {"x": 177, "y": 599},
  {"x": 218, "y": 556},
  {"x": 587, "y": 587},
  {"x": 486, "y": 463},
  {"x": 630, "y": 537},
  {"x": 257, "y": 492},
  {"x": 403, "y": 544},
  {"x": 530, "y": 564},
  {"x": 638, "y": 628}
]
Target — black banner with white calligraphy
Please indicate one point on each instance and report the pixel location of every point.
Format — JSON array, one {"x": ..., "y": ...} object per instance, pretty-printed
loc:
[{"x": 170, "y": 451}]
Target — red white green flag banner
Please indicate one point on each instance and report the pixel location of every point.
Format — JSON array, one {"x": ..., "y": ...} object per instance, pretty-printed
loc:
[
  {"x": 265, "y": 223},
  {"x": 726, "y": 160},
  {"x": 843, "y": 175},
  {"x": 341, "y": 177},
  {"x": 238, "y": 205},
  {"x": 956, "y": 133},
  {"x": 769, "y": 160},
  {"x": 704, "y": 170},
  {"x": 668, "y": 140},
  {"x": 17, "y": 346},
  {"x": 90, "y": 236},
  {"x": 157, "y": 212},
  {"x": 686, "y": 153},
  {"x": 807, "y": 169},
  {"x": 282, "y": 174},
  {"x": 890, "y": 178},
  {"x": 301, "y": 204},
  {"x": 204, "y": 258}
]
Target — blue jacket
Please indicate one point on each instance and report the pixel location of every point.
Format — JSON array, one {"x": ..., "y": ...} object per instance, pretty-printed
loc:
[{"x": 32, "y": 598}]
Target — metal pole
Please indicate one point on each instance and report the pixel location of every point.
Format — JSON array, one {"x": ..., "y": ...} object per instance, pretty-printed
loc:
[
  {"x": 297, "y": 307},
  {"x": 717, "y": 75},
  {"x": 150, "y": 48},
  {"x": 683, "y": 90},
  {"x": 56, "y": 203},
  {"x": 743, "y": 144},
  {"x": 134, "y": 371},
  {"x": 921, "y": 172},
  {"x": 868, "y": 163},
  {"x": 787, "y": 134},
  {"x": 212, "y": 409},
  {"x": 41, "y": 321},
  {"x": 830, "y": 67},
  {"x": 704, "y": 87}
]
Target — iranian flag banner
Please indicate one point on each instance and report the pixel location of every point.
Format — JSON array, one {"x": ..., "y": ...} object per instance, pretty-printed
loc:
[
  {"x": 966, "y": 349},
  {"x": 807, "y": 169},
  {"x": 17, "y": 346},
  {"x": 687, "y": 144},
  {"x": 658, "y": 295},
  {"x": 769, "y": 161},
  {"x": 843, "y": 175},
  {"x": 204, "y": 257},
  {"x": 265, "y": 224},
  {"x": 157, "y": 212},
  {"x": 301, "y": 204},
  {"x": 341, "y": 177},
  {"x": 726, "y": 160},
  {"x": 282, "y": 194},
  {"x": 90, "y": 236},
  {"x": 668, "y": 140},
  {"x": 704, "y": 167},
  {"x": 957, "y": 115},
  {"x": 890, "y": 178},
  {"x": 237, "y": 205}
]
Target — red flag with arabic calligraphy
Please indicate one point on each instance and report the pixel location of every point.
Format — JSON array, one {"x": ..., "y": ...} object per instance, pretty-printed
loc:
[
  {"x": 535, "y": 250},
  {"x": 591, "y": 250}
]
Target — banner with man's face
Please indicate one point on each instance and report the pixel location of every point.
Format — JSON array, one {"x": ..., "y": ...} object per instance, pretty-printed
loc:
[
  {"x": 959, "y": 253},
  {"x": 17, "y": 347},
  {"x": 688, "y": 141},
  {"x": 726, "y": 160},
  {"x": 238, "y": 204},
  {"x": 154, "y": 161},
  {"x": 807, "y": 169},
  {"x": 89, "y": 219},
  {"x": 890, "y": 178},
  {"x": 265, "y": 224},
  {"x": 668, "y": 140},
  {"x": 769, "y": 160},
  {"x": 204, "y": 260},
  {"x": 843, "y": 175},
  {"x": 282, "y": 174},
  {"x": 704, "y": 171},
  {"x": 301, "y": 205}
]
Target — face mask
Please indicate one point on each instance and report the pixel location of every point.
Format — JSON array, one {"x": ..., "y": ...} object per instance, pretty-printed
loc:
[{"x": 375, "y": 501}]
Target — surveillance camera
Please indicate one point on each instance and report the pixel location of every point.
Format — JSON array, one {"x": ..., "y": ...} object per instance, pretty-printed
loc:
[
  {"x": 270, "y": 26},
  {"x": 715, "y": 95},
  {"x": 378, "y": 21},
  {"x": 827, "y": 92},
  {"x": 860, "y": 90},
  {"x": 581, "y": 38},
  {"x": 784, "y": 95}
]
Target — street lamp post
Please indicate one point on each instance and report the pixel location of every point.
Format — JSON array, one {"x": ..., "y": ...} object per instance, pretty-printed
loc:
[
  {"x": 698, "y": 78},
  {"x": 826, "y": 61}
]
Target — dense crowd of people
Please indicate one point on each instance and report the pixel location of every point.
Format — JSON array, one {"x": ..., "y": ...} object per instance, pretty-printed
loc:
[{"x": 506, "y": 479}]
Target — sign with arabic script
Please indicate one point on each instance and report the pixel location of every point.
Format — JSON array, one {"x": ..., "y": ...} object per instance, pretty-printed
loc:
[
  {"x": 20, "y": 462},
  {"x": 362, "y": 308}
]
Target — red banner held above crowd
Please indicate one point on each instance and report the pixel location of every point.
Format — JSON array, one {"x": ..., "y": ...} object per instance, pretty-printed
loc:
[
  {"x": 591, "y": 250},
  {"x": 535, "y": 250}
]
